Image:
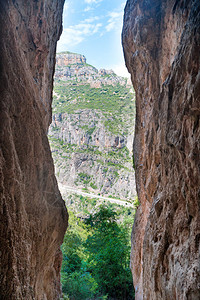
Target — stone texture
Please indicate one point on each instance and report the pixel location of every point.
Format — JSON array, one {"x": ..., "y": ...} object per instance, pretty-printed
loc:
[
  {"x": 68, "y": 58},
  {"x": 161, "y": 41},
  {"x": 73, "y": 66},
  {"x": 82, "y": 140},
  {"x": 109, "y": 179},
  {"x": 32, "y": 212}
]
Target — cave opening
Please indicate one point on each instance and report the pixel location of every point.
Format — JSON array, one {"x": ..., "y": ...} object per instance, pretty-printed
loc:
[{"x": 91, "y": 138}]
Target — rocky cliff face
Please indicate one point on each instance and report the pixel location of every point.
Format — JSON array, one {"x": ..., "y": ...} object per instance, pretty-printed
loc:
[
  {"x": 161, "y": 41},
  {"x": 72, "y": 66},
  {"x": 92, "y": 130},
  {"x": 33, "y": 215},
  {"x": 87, "y": 155},
  {"x": 67, "y": 58}
]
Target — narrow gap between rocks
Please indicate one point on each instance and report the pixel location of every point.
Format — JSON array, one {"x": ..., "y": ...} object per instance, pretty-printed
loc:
[{"x": 91, "y": 138}]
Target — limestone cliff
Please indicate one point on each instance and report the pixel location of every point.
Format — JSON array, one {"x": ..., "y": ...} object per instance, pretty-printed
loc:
[
  {"x": 33, "y": 215},
  {"x": 67, "y": 58},
  {"x": 88, "y": 156},
  {"x": 92, "y": 129},
  {"x": 73, "y": 67},
  {"x": 161, "y": 41}
]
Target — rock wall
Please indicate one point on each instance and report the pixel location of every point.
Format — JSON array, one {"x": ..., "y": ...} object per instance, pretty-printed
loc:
[
  {"x": 161, "y": 41},
  {"x": 91, "y": 134},
  {"x": 32, "y": 212},
  {"x": 72, "y": 66},
  {"x": 81, "y": 143},
  {"x": 67, "y": 58},
  {"x": 86, "y": 127}
]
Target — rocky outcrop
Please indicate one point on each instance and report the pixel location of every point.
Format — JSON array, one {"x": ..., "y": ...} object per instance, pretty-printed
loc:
[
  {"x": 72, "y": 66},
  {"x": 161, "y": 41},
  {"x": 92, "y": 129},
  {"x": 87, "y": 155},
  {"x": 87, "y": 127},
  {"x": 68, "y": 58},
  {"x": 33, "y": 215}
]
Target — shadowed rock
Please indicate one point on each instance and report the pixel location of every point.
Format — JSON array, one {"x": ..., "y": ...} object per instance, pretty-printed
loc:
[
  {"x": 161, "y": 41},
  {"x": 33, "y": 215}
]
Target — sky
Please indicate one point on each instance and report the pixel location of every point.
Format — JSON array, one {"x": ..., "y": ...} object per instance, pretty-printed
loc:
[{"x": 93, "y": 28}]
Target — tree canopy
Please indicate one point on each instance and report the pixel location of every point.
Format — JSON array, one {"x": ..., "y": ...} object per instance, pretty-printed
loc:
[{"x": 96, "y": 258}]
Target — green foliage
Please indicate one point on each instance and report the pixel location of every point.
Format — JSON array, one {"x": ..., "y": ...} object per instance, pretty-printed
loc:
[
  {"x": 77, "y": 283},
  {"x": 90, "y": 130},
  {"x": 67, "y": 52},
  {"x": 115, "y": 102},
  {"x": 93, "y": 186},
  {"x": 116, "y": 173},
  {"x": 84, "y": 177},
  {"x": 109, "y": 249},
  {"x": 96, "y": 258}
]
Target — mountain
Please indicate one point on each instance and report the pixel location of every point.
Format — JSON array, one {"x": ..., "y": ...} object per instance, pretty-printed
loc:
[
  {"x": 72, "y": 66},
  {"x": 92, "y": 129}
]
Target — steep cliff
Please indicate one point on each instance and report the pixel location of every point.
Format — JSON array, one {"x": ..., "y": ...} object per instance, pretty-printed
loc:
[
  {"x": 73, "y": 67},
  {"x": 92, "y": 130},
  {"x": 161, "y": 41},
  {"x": 32, "y": 212}
]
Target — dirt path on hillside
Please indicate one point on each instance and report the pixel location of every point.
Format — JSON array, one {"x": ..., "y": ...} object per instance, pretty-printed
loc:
[{"x": 64, "y": 188}]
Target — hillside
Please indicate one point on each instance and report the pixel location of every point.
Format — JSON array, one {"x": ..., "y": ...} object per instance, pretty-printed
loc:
[{"x": 92, "y": 129}]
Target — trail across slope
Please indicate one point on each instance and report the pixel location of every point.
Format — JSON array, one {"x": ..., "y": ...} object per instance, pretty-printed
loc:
[{"x": 64, "y": 188}]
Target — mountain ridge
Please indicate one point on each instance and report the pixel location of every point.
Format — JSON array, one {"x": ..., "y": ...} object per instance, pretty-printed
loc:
[{"x": 74, "y": 66}]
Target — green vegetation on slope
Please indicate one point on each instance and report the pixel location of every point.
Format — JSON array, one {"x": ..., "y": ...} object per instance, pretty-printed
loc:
[
  {"x": 115, "y": 102},
  {"x": 112, "y": 162},
  {"x": 84, "y": 206},
  {"x": 96, "y": 258},
  {"x": 119, "y": 154},
  {"x": 96, "y": 247}
]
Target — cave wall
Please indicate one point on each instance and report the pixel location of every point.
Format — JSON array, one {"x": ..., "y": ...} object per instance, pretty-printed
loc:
[
  {"x": 32, "y": 213},
  {"x": 161, "y": 42}
]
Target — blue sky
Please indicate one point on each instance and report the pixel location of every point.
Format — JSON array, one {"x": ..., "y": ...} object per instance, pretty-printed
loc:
[{"x": 93, "y": 28}]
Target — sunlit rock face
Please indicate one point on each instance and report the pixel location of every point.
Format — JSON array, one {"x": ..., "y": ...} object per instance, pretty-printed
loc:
[
  {"x": 161, "y": 41},
  {"x": 32, "y": 212}
]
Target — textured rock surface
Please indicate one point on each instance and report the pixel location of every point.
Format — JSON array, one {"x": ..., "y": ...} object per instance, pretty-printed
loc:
[
  {"x": 88, "y": 147},
  {"x": 92, "y": 129},
  {"x": 33, "y": 215},
  {"x": 161, "y": 41},
  {"x": 68, "y": 58},
  {"x": 72, "y": 66}
]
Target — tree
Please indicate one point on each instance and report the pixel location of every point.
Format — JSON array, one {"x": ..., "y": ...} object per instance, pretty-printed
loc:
[
  {"x": 108, "y": 251},
  {"x": 77, "y": 282},
  {"x": 96, "y": 258}
]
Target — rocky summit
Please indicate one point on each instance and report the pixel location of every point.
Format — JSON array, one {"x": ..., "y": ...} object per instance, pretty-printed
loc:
[
  {"x": 73, "y": 67},
  {"x": 91, "y": 133}
]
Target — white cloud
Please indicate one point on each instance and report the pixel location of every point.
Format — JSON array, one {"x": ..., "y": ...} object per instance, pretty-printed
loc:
[
  {"x": 74, "y": 35},
  {"x": 92, "y": 1},
  {"x": 115, "y": 15},
  {"x": 88, "y": 8},
  {"x": 110, "y": 26},
  {"x": 114, "y": 21},
  {"x": 91, "y": 20}
]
